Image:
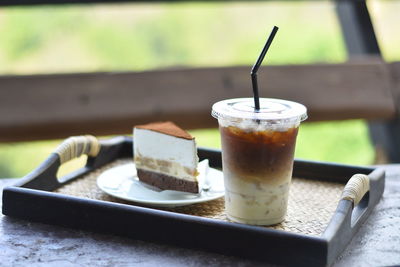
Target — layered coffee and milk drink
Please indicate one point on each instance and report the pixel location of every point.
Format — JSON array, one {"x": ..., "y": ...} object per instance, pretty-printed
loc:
[
  {"x": 257, "y": 153},
  {"x": 259, "y": 166}
]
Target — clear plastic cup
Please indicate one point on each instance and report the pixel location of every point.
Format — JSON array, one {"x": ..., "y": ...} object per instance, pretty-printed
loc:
[{"x": 257, "y": 155}]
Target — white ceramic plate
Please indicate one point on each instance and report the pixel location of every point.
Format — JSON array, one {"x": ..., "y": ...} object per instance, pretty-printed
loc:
[{"x": 122, "y": 182}]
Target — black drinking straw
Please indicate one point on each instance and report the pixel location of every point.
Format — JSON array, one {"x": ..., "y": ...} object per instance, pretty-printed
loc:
[{"x": 257, "y": 65}]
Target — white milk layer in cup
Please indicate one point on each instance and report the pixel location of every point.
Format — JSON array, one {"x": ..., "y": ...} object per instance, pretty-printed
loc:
[{"x": 257, "y": 155}]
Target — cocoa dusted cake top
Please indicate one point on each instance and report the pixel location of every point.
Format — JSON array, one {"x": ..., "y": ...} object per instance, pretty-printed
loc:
[{"x": 166, "y": 127}]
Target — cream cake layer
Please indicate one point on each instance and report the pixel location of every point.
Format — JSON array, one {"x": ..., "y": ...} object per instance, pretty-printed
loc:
[{"x": 166, "y": 154}]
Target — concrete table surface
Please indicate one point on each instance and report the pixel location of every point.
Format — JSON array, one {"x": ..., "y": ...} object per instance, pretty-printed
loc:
[{"x": 23, "y": 243}]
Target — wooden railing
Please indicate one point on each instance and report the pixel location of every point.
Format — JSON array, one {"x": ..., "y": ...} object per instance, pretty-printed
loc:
[{"x": 60, "y": 105}]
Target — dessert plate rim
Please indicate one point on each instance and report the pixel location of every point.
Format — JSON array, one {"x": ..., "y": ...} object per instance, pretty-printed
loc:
[{"x": 122, "y": 182}]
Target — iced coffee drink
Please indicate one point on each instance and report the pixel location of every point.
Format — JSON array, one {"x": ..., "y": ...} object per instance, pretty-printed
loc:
[{"x": 257, "y": 154}]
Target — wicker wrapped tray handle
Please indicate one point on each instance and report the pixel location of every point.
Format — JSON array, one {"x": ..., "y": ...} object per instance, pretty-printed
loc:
[
  {"x": 75, "y": 146},
  {"x": 356, "y": 188}
]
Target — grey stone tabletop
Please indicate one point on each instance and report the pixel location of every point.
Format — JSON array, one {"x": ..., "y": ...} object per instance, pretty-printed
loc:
[{"x": 23, "y": 243}]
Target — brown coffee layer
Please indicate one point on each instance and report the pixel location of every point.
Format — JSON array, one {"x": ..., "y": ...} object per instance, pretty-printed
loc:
[
  {"x": 262, "y": 154},
  {"x": 166, "y": 182}
]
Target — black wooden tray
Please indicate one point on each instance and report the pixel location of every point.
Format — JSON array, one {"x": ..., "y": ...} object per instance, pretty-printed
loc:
[{"x": 32, "y": 199}]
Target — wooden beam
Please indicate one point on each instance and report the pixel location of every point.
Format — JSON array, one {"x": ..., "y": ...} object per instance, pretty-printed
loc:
[
  {"x": 357, "y": 28},
  {"x": 60, "y": 105}
]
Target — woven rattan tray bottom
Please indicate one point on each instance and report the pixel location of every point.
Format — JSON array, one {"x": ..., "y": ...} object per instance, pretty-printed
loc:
[{"x": 311, "y": 202}]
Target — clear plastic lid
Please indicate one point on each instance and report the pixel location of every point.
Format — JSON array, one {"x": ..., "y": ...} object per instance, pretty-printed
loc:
[{"x": 272, "y": 110}]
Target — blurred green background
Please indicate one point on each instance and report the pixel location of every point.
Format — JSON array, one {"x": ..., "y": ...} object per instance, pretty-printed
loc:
[{"x": 138, "y": 37}]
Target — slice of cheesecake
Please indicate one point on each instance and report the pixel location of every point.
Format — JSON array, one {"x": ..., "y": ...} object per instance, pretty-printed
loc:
[{"x": 166, "y": 157}]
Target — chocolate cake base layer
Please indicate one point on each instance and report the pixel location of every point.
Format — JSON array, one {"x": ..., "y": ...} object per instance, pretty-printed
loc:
[{"x": 165, "y": 182}]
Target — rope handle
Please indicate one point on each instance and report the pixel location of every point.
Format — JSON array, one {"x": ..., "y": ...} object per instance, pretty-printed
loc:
[
  {"x": 75, "y": 146},
  {"x": 356, "y": 188}
]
